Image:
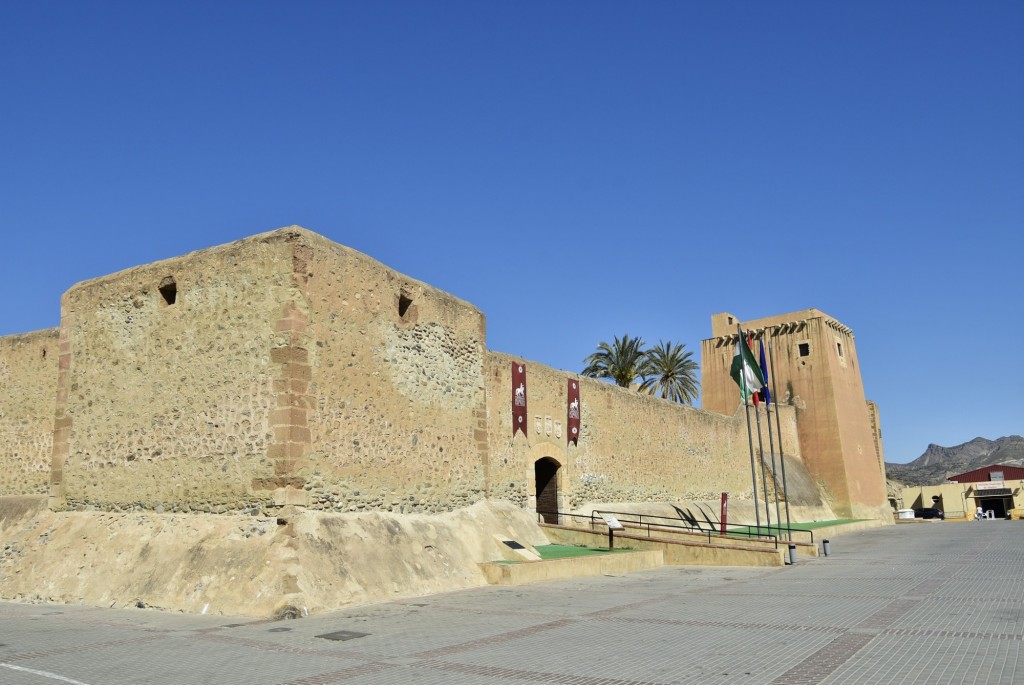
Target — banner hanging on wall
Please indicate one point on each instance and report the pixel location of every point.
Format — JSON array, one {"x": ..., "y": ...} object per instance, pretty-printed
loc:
[
  {"x": 518, "y": 398},
  {"x": 572, "y": 419}
]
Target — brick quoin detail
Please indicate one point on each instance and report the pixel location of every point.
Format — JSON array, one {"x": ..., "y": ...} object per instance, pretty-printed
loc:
[
  {"x": 62, "y": 423},
  {"x": 289, "y": 419},
  {"x": 480, "y": 437}
]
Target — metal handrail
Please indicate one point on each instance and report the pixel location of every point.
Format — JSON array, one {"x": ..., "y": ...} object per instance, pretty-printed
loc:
[
  {"x": 710, "y": 534},
  {"x": 747, "y": 531},
  {"x": 736, "y": 529},
  {"x": 782, "y": 530}
]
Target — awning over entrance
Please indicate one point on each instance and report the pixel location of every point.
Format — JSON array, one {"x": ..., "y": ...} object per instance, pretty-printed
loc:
[{"x": 998, "y": 492}]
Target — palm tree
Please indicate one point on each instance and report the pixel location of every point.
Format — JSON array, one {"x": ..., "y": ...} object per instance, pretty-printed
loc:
[
  {"x": 623, "y": 361},
  {"x": 671, "y": 373}
]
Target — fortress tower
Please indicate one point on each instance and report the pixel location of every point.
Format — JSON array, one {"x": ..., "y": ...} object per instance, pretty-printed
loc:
[{"x": 817, "y": 372}]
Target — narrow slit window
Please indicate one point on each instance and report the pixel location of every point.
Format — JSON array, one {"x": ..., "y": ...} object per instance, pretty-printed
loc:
[
  {"x": 839, "y": 346},
  {"x": 169, "y": 290},
  {"x": 404, "y": 302}
]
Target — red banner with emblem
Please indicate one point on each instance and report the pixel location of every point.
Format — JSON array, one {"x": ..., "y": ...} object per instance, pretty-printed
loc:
[
  {"x": 518, "y": 398},
  {"x": 572, "y": 414}
]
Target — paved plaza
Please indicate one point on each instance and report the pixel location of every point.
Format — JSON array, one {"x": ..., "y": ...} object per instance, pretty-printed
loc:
[{"x": 933, "y": 603}]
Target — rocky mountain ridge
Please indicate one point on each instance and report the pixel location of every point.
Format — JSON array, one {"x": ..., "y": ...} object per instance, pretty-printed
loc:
[{"x": 938, "y": 462}]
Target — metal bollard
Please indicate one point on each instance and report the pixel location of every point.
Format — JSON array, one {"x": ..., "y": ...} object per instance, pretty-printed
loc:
[
  {"x": 826, "y": 547},
  {"x": 792, "y": 553}
]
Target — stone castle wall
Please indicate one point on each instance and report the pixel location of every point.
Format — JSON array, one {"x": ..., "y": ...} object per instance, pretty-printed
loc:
[
  {"x": 288, "y": 370},
  {"x": 817, "y": 370},
  {"x": 165, "y": 405},
  {"x": 28, "y": 387},
  {"x": 285, "y": 369},
  {"x": 396, "y": 405},
  {"x": 633, "y": 448},
  {"x": 351, "y": 420}
]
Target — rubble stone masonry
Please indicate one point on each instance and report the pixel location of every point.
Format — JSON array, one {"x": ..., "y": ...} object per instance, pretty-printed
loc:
[
  {"x": 397, "y": 388},
  {"x": 28, "y": 383},
  {"x": 632, "y": 447},
  {"x": 285, "y": 370},
  {"x": 166, "y": 384}
]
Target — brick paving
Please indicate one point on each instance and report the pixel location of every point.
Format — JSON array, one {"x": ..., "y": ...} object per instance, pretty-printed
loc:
[{"x": 922, "y": 603}]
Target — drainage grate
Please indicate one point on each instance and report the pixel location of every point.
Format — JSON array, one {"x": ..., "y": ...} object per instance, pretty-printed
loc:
[{"x": 342, "y": 635}]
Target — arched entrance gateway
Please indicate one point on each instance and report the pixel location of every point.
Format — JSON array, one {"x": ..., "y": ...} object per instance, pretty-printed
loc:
[{"x": 545, "y": 472}]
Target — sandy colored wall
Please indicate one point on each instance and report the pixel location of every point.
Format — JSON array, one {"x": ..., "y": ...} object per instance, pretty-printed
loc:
[
  {"x": 633, "y": 448},
  {"x": 837, "y": 441},
  {"x": 953, "y": 498},
  {"x": 396, "y": 413},
  {"x": 865, "y": 476},
  {"x": 165, "y": 406},
  {"x": 246, "y": 565},
  {"x": 874, "y": 416},
  {"x": 289, "y": 371},
  {"x": 28, "y": 388},
  {"x": 957, "y": 499}
]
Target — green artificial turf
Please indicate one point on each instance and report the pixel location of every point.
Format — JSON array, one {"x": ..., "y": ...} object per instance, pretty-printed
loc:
[
  {"x": 804, "y": 525},
  {"x": 566, "y": 551}
]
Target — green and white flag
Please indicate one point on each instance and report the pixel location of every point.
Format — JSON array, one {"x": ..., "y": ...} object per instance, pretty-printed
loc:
[{"x": 746, "y": 371}]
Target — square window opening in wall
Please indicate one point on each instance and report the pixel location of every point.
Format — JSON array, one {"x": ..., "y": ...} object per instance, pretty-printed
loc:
[
  {"x": 804, "y": 348},
  {"x": 169, "y": 290},
  {"x": 404, "y": 302}
]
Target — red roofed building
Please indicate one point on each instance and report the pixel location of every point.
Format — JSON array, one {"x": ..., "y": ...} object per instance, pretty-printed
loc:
[
  {"x": 992, "y": 488},
  {"x": 993, "y": 472},
  {"x": 997, "y": 489}
]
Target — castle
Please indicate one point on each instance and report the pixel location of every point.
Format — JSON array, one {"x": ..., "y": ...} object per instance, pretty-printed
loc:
[
  {"x": 285, "y": 373},
  {"x": 817, "y": 370}
]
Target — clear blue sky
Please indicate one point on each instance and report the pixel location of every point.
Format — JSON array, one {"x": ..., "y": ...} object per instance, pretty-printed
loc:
[{"x": 578, "y": 170}]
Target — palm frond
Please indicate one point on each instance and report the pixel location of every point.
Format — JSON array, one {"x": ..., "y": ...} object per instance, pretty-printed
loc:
[
  {"x": 623, "y": 361},
  {"x": 671, "y": 373}
]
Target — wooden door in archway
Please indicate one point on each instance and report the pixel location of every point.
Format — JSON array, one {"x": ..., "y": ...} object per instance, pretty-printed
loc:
[{"x": 546, "y": 474}]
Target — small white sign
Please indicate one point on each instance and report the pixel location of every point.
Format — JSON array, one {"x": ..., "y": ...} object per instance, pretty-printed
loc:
[{"x": 612, "y": 522}]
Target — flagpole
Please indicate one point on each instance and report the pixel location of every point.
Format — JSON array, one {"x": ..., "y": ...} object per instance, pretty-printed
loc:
[
  {"x": 774, "y": 469},
  {"x": 764, "y": 475},
  {"x": 778, "y": 424},
  {"x": 760, "y": 445},
  {"x": 750, "y": 437},
  {"x": 768, "y": 397}
]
